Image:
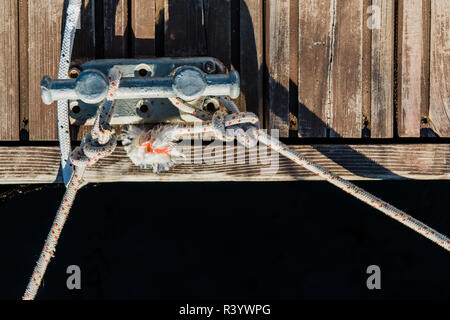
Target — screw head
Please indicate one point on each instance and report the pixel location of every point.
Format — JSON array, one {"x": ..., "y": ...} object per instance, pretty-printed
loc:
[
  {"x": 74, "y": 72},
  {"x": 210, "y": 67}
]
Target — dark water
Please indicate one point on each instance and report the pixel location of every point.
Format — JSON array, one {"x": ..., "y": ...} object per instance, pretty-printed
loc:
[{"x": 188, "y": 241}]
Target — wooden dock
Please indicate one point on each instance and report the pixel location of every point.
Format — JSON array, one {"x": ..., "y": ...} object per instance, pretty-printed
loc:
[{"x": 361, "y": 86}]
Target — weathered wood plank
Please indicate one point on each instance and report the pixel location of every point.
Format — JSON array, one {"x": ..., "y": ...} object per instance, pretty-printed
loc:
[
  {"x": 346, "y": 70},
  {"x": 9, "y": 77},
  {"x": 293, "y": 68},
  {"x": 23, "y": 74},
  {"x": 354, "y": 162},
  {"x": 44, "y": 45},
  {"x": 315, "y": 23},
  {"x": 366, "y": 70},
  {"x": 45, "y": 27},
  {"x": 159, "y": 27},
  {"x": 382, "y": 69},
  {"x": 277, "y": 57},
  {"x": 184, "y": 32},
  {"x": 115, "y": 21},
  {"x": 440, "y": 67},
  {"x": 142, "y": 28},
  {"x": 251, "y": 56},
  {"x": 412, "y": 82},
  {"x": 84, "y": 42},
  {"x": 217, "y": 28}
]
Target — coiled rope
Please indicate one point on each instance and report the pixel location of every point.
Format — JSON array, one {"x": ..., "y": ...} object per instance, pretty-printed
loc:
[{"x": 97, "y": 144}]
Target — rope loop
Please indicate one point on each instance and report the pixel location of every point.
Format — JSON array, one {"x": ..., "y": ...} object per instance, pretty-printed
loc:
[
  {"x": 242, "y": 126},
  {"x": 101, "y": 141}
]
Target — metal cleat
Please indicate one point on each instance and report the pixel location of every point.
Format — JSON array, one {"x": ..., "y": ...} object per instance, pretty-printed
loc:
[{"x": 145, "y": 88}]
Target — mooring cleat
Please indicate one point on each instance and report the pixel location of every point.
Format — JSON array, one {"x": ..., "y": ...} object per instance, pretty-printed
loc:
[{"x": 145, "y": 89}]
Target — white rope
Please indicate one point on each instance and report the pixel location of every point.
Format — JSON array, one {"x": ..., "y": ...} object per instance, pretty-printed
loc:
[
  {"x": 97, "y": 144},
  {"x": 101, "y": 141},
  {"x": 237, "y": 121},
  {"x": 73, "y": 15}
]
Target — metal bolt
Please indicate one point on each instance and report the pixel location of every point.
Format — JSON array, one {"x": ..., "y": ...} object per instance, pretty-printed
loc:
[
  {"x": 74, "y": 72},
  {"x": 210, "y": 67}
]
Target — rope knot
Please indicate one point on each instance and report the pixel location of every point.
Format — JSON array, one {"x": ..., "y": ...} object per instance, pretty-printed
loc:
[
  {"x": 242, "y": 126},
  {"x": 101, "y": 141}
]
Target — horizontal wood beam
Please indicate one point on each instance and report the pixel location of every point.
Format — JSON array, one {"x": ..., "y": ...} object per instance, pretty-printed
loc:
[{"x": 20, "y": 165}]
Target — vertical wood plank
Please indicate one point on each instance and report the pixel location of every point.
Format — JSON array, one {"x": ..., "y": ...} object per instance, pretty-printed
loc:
[
  {"x": 277, "y": 55},
  {"x": 412, "y": 80},
  {"x": 84, "y": 42},
  {"x": 142, "y": 28},
  {"x": 44, "y": 45},
  {"x": 159, "y": 27},
  {"x": 368, "y": 16},
  {"x": 24, "y": 133},
  {"x": 346, "y": 82},
  {"x": 293, "y": 68},
  {"x": 45, "y": 28},
  {"x": 440, "y": 67},
  {"x": 251, "y": 56},
  {"x": 382, "y": 71},
  {"x": 315, "y": 23},
  {"x": 184, "y": 32},
  {"x": 217, "y": 28},
  {"x": 9, "y": 76},
  {"x": 115, "y": 22}
]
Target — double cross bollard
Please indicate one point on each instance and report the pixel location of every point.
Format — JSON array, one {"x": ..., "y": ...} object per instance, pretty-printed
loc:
[{"x": 185, "y": 82}]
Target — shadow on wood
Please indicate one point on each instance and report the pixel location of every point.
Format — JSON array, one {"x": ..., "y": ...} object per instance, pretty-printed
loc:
[{"x": 108, "y": 25}]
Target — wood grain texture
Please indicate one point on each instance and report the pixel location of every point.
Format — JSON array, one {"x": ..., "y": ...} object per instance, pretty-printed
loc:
[
  {"x": 382, "y": 71},
  {"x": 23, "y": 68},
  {"x": 251, "y": 56},
  {"x": 315, "y": 23},
  {"x": 143, "y": 28},
  {"x": 217, "y": 28},
  {"x": 366, "y": 70},
  {"x": 277, "y": 57},
  {"x": 440, "y": 68},
  {"x": 9, "y": 76},
  {"x": 412, "y": 47},
  {"x": 346, "y": 70},
  {"x": 115, "y": 22},
  {"x": 354, "y": 162},
  {"x": 293, "y": 68},
  {"x": 84, "y": 42},
  {"x": 184, "y": 32},
  {"x": 44, "y": 45}
]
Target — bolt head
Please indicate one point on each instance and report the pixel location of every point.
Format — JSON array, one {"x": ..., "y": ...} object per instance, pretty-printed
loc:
[
  {"x": 210, "y": 67},
  {"x": 92, "y": 86},
  {"x": 189, "y": 83}
]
